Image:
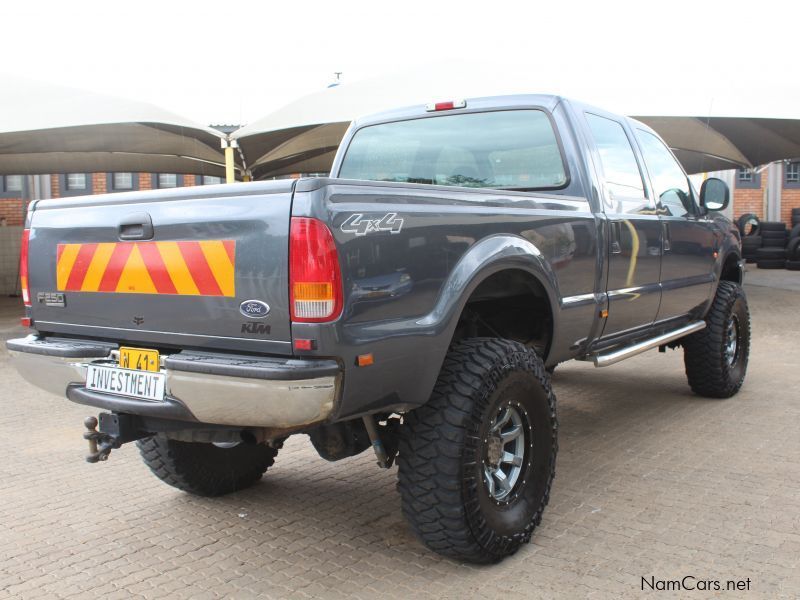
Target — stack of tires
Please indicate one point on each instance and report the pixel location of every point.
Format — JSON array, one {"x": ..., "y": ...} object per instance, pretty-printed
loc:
[
  {"x": 793, "y": 247},
  {"x": 749, "y": 226},
  {"x": 772, "y": 254}
]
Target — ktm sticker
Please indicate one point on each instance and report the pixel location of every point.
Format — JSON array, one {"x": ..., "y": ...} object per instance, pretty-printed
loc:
[{"x": 204, "y": 268}]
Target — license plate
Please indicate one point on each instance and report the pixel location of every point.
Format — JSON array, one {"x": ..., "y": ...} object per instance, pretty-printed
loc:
[
  {"x": 139, "y": 359},
  {"x": 125, "y": 382}
]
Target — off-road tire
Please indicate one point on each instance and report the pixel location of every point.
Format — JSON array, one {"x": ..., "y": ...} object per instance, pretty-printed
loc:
[
  {"x": 205, "y": 469},
  {"x": 793, "y": 265},
  {"x": 444, "y": 447},
  {"x": 767, "y": 226},
  {"x": 751, "y": 241},
  {"x": 771, "y": 263},
  {"x": 745, "y": 220},
  {"x": 770, "y": 253},
  {"x": 708, "y": 369},
  {"x": 775, "y": 240},
  {"x": 793, "y": 249}
]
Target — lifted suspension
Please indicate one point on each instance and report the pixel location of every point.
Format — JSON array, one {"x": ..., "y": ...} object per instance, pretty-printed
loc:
[{"x": 385, "y": 448}]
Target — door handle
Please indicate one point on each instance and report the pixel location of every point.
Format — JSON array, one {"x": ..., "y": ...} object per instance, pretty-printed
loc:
[
  {"x": 136, "y": 226},
  {"x": 667, "y": 238},
  {"x": 616, "y": 246}
]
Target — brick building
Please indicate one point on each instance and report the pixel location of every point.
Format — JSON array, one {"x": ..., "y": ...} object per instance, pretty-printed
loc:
[
  {"x": 15, "y": 190},
  {"x": 770, "y": 192}
]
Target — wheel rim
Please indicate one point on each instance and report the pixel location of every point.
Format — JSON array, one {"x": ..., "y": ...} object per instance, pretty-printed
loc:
[
  {"x": 226, "y": 445},
  {"x": 732, "y": 341},
  {"x": 505, "y": 452}
]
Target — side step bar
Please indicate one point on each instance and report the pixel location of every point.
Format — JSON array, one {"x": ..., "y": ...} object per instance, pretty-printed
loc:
[{"x": 615, "y": 356}]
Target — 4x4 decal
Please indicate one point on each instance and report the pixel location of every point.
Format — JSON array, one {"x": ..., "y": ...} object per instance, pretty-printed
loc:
[{"x": 357, "y": 224}]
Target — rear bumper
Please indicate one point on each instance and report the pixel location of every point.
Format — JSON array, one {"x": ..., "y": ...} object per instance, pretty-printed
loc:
[{"x": 206, "y": 387}]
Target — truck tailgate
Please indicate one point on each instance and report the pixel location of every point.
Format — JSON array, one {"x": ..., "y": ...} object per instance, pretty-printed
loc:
[{"x": 181, "y": 284}]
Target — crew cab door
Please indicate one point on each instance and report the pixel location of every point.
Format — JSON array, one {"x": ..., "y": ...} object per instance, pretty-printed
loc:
[
  {"x": 690, "y": 241},
  {"x": 634, "y": 231}
]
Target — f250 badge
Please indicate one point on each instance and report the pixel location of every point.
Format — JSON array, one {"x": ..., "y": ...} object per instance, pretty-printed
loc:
[
  {"x": 358, "y": 225},
  {"x": 51, "y": 299}
]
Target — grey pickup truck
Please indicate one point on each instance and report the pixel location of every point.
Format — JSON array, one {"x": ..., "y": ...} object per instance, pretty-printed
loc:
[{"x": 414, "y": 302}]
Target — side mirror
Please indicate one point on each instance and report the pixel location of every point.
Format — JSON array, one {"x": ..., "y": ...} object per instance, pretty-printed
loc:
[{"x": 714, "y": 194}]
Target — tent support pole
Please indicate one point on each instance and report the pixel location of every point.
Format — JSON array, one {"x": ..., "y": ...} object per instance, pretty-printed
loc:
[
  {"x": 230, "y": 165},
  {"x": 230, "y": 177}
]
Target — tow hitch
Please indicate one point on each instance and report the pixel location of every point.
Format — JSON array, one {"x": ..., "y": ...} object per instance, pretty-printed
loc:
[{"x": 115, "y": 430}]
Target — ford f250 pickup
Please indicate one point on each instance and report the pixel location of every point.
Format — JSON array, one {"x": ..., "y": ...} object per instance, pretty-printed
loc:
[{"x": 414, "y": 303}]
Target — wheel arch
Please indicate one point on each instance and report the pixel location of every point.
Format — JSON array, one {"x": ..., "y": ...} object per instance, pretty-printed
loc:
[
  {"x": 731, "y": 269},
  {"x": 496, "y": 269},
  {"x": 422, "y": 342}
]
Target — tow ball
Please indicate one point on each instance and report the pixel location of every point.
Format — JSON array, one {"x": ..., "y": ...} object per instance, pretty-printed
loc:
[
  {"x": 100, "y": 444},
  {"x": 115, "y": 430}
]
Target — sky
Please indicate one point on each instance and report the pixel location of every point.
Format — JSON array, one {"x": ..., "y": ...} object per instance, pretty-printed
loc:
[{"x": 235, "y": 61}]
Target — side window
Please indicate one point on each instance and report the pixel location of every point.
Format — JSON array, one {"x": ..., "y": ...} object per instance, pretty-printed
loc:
[
  {"x": 621, "y": 171},
  {"x": 669, "y": 181}
]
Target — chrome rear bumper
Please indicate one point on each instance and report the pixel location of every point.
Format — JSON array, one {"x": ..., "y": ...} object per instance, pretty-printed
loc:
[{"x": 224, "y": 389}]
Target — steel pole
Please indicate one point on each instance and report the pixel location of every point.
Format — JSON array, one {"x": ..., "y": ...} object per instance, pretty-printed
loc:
[{"x": 230, "y": 174}]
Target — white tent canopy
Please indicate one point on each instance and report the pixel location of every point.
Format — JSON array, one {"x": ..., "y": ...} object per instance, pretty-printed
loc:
[
  {"x": 313, "y": 125},
  {"x": 46, "y": 128}
]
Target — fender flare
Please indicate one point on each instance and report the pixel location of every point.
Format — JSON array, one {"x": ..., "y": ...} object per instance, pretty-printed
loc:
[{"x": 485, "y": 258}]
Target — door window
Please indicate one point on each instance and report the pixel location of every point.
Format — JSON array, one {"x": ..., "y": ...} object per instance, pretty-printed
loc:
[
  {"x": 620, "y": 169},
  {"x": 669, "y": 181}
]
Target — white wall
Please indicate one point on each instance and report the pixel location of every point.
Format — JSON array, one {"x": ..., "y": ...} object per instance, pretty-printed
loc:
[{"x": 9, "y": 259}]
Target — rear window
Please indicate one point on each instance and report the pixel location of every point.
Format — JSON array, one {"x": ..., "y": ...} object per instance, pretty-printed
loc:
[{"x": 512, "y": 149}]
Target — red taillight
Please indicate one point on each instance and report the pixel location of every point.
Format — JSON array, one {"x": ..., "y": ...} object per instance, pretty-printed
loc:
[
  {"x": 315, "y": 281},
  {"x": 23, "y": 267}
]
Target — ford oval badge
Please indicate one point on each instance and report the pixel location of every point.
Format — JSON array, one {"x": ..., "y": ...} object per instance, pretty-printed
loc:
[{"x": 254, "y": 309}]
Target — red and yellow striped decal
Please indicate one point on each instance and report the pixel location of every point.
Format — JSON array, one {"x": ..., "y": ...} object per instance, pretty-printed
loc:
[{"x": 204, "y": 268}]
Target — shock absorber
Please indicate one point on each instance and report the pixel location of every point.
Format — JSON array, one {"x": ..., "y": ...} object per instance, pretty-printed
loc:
[{"x": 384, "y": 460}]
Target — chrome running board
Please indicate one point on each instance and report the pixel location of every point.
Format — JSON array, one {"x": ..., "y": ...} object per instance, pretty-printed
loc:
[{"x": 604, "y": 359}]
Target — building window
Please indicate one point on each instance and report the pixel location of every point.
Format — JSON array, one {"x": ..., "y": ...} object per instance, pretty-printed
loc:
[
  {"x": 76, "y": 182},
  {"x": 791, "y": 175},
  {"x": 12, "y": 186},
  {"x": 122, "y": 181},
  {"x": 211, "y": 180},
  {"x": 167, "y": 180},
  {"x": 748, "y": 179},
  {"x": 13, "y": 183}
]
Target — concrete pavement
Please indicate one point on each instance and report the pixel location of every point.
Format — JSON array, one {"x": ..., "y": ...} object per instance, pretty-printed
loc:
[{"x": 652, "y": 482}]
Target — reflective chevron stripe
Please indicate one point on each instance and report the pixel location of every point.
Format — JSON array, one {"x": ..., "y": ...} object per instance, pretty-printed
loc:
[{"x": 204, "y": 268}]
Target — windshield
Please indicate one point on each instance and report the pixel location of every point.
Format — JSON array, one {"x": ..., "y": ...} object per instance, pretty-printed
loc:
[{"x": 511, "y": 149}]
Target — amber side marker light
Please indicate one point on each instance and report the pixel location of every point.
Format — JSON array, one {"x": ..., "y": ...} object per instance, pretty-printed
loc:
[{"x": 365, "y": 360}]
